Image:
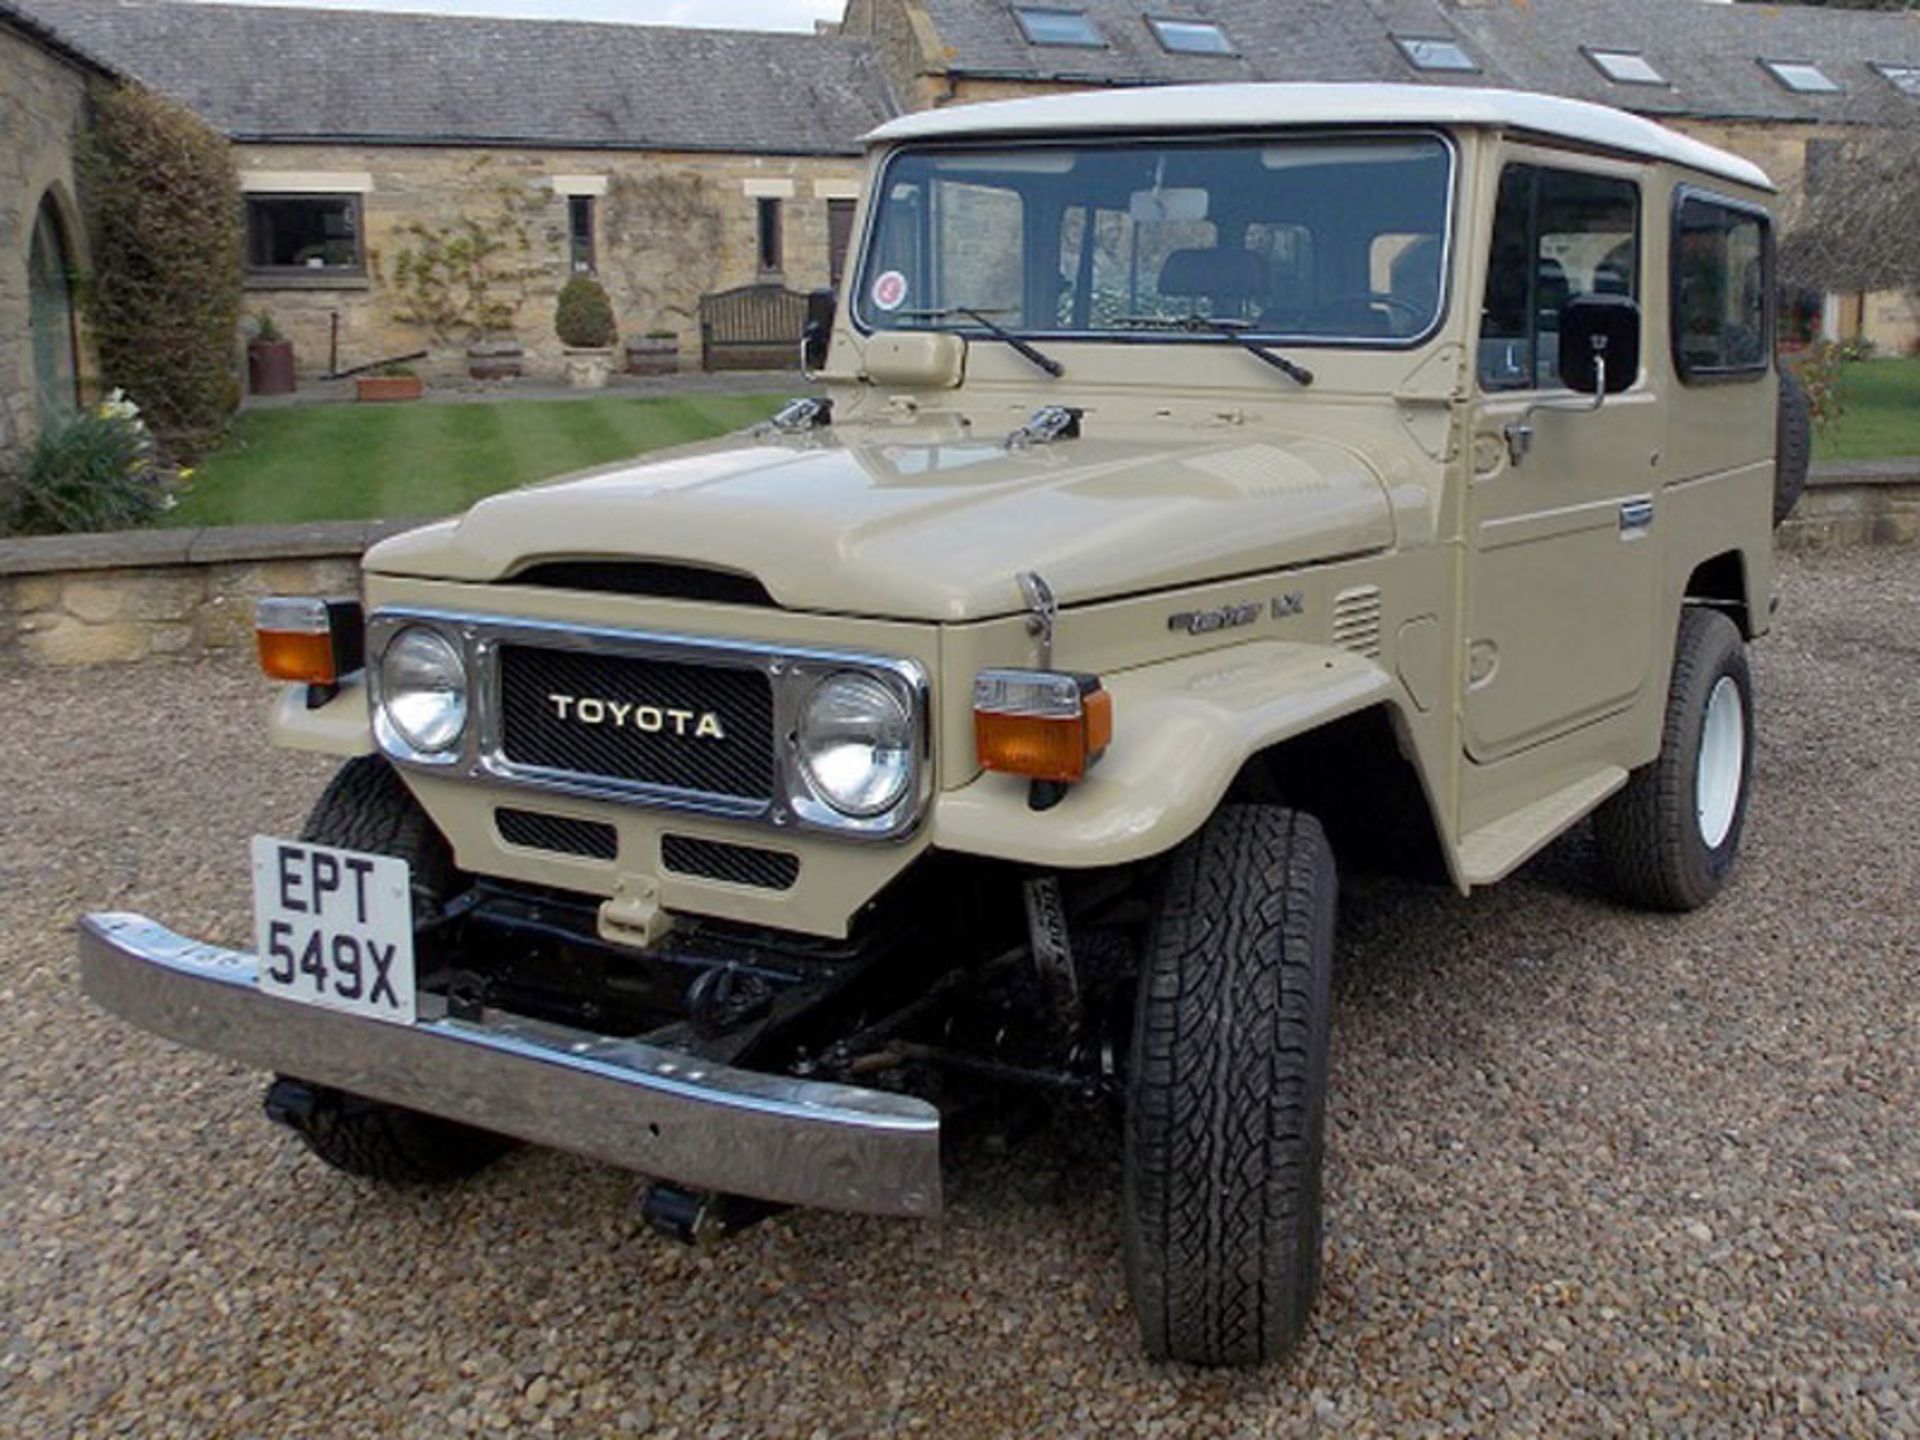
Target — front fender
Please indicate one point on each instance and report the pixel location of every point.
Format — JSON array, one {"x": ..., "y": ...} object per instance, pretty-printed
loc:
[
  {"x": 340, "y": 727},
  {"x": 1181, "y": 732}
]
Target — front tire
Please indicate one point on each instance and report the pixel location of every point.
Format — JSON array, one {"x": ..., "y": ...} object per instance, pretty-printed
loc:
[
  {"x": 366, "y": 807},
  {"x": 1227, "y": 1091},
  {"x": 1668, "y": 840}
]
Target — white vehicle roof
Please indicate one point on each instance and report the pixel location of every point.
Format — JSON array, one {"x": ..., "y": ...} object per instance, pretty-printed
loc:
[{"x": 1246, "y": 107}]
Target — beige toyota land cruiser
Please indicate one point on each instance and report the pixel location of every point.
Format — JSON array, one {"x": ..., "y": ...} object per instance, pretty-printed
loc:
[{"x": 1210, "y": 487}]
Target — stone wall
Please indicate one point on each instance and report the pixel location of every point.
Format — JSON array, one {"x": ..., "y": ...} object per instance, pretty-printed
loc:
[
  {"x": 111, "y": 599},
  {"x": 670, "y": 228},
  {"x": 42, "y": 108}
]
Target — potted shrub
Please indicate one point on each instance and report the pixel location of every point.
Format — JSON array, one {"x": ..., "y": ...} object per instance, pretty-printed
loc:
[
  {"x": 389, "y": 382},
  {"x": 584, "y": 321},
  {"x": 655, "y": 353},
  {"x": 269, "y": 358}
]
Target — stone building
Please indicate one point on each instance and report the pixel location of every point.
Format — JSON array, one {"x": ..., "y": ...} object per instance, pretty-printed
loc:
[
  {"x": 374, "y": 148},
  {"x": 378, "y": 151},
  {"x": 44, "y": 359},
  {"x": 1779, "y": 84}
]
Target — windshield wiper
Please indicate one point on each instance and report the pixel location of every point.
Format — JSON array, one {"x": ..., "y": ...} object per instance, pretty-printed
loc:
[
  {"x": 1234, "y": 330},
  {"x": 994, "y": 328}
]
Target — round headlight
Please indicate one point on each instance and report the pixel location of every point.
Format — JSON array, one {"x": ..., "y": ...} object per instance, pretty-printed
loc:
[
  {"x": 423, "y": 689},
  {"x": 856, "y": 744}
]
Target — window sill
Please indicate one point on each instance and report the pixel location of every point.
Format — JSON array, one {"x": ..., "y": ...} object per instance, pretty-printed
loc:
[{"x": 294, "y": 280}]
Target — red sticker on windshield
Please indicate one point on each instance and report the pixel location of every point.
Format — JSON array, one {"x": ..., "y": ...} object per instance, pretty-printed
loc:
[{"x": 890, "y": 290}]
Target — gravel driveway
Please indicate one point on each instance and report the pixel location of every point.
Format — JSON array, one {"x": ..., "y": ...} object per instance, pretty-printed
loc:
[{"x": 1591, "y": 1171}]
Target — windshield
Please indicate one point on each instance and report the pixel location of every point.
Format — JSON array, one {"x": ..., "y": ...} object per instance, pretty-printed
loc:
[{"x": 1311, "y": 239}]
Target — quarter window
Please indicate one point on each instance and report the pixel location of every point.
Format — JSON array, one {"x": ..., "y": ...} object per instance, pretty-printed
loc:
[
  {"x": 1556, "y": 234},
  {"x": 317, "y": 235},
  {"x": 1722, "y": 277}
]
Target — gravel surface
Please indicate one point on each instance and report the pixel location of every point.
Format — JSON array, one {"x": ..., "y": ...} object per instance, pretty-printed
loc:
[{"x": 1591, "y": 1171}]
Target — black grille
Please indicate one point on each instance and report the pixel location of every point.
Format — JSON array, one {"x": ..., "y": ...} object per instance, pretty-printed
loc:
[
  {"x": 631, "y": 730},
  {"x": 558, "y": 833},
  {"x": 645, "y": 577},
  {"x": 740, "y": 864}
]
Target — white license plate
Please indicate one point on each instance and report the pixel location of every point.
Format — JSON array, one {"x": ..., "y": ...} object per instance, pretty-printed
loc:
[{"x": 334, "y": 928}]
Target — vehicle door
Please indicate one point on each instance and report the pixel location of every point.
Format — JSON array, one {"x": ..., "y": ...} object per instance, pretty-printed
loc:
[{"x": 1562, "y": 526}]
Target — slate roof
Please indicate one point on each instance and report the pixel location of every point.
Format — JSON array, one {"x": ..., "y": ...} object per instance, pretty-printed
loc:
[
  {"x": 36, "y": 29},
  {"x": 272, "y": 74},
  {"x": 1710, "y": 52}
]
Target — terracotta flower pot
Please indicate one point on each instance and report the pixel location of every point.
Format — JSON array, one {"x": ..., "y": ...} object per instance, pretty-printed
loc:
[{"x": 388, "y": 387}]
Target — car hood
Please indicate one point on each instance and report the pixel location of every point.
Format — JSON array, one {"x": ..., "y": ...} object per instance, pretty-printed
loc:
[{"x": 909, "y": 526}]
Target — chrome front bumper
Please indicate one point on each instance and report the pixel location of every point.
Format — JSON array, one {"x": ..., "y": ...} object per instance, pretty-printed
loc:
[{"x": 666, "y": 1114}]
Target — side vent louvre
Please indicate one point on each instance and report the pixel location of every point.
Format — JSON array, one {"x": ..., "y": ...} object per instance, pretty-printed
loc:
[
  {"x": 735, "y": 864},
  {"x": 1356, "y": 620},
  {"x": 558, "y": 833}
]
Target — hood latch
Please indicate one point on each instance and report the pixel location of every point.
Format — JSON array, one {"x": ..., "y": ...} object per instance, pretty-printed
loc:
[{"x": 1047, "y": 424}]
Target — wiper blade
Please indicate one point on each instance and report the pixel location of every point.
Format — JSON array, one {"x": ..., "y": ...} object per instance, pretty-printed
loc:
[
  {"x": 1234, "y": 330},
  {"x": 994, "y": 328}
]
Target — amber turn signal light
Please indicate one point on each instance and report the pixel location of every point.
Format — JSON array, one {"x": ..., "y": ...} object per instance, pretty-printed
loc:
[
  {"x": 1041, "y": 723},
  {"x": 308, "y": 641}
]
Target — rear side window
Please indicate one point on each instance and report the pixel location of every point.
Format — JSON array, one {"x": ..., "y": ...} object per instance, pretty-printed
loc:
[
  {"x": 1556, "y": 234},
  {"x": 1722, "y": 281}
]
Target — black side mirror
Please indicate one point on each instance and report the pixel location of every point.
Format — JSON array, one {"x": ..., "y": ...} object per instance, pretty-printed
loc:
[
  {"x": 1599, "y": 332},
  {"x": 819, "y": 332}
]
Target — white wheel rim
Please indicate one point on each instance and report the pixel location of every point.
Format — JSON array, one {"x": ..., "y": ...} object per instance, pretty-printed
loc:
[{"x": 1723, "y": 761}]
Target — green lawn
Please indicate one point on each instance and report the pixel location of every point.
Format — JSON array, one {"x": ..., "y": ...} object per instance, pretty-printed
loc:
[
  {"x": 1882, "y": 416},
  {"x": 364, "y": 462}
]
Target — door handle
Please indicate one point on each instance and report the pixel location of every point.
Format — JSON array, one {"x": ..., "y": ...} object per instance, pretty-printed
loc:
[{"x": 1636, "y": 517}]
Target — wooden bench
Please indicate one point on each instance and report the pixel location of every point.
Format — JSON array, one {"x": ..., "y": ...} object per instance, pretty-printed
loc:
[{"x": 756, "y": 327}]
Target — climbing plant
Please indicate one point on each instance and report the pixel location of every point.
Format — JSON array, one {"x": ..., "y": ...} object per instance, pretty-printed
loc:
[{"x": 464, "y": 279}]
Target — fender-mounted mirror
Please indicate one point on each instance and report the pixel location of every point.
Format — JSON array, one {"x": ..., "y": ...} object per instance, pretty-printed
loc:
[{"x": 818, "y": 332}]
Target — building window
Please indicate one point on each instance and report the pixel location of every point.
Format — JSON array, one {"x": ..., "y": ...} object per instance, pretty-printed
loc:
[
  {"x": 1556, "y": 234},
  {"x": 304, "y": 235},
  {"x": 1190, "y": 37},
  {"x": 1722, "y": 281},
  {"x": 1427, "y": 53},
  {"x": 1801, "y": 77},
  {"x": 769, "y": 233},
  {"x": 1904, "y": 78},
  {"x": 1046, "y": 26},
  {"x": 580, "y": 234},
  {"x": 1626, "y": 67},
  {"x": 50, "y": 318}
]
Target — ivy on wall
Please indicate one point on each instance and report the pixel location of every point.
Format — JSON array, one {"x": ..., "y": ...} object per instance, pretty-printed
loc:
[
  {"x": 465, "y": 279},
  {"x": 163, "y": 209}
]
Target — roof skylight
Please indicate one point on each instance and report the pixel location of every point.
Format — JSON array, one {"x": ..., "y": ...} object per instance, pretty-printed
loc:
[
  {"x": 1191, "y": 37},
  {"x": 1626, "y": 67},
  {"x": 1802, "y": 77},
  {"x": 1904, "y": 78},
  {"x": 1428, "y": 53},
  {"x": 1046, "y": 25}
]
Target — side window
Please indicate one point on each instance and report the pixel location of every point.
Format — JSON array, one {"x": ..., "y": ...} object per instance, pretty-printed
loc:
[
  {"x": 1556, "y": 234},
  {"x": 1722, "y": 264}
]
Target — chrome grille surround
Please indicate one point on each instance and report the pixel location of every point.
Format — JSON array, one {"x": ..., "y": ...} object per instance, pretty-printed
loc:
[{"x": 791, "y": 672}]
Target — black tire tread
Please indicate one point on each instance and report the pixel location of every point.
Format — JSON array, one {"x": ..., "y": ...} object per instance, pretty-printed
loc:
[
  {"x": 1228, "y": 1088},
  {"x": 1793, "y": 445},
  {"x": 367, "y": 807},
  {"x": 1646, "y": 832}
]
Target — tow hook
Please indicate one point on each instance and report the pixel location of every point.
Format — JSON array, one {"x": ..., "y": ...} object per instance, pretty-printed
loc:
[{"x": 700, "y": 1217}]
